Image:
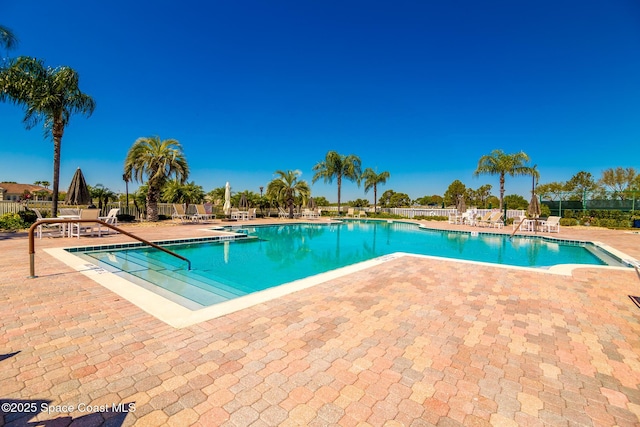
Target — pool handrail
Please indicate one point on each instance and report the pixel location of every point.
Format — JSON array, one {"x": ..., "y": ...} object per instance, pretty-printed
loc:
[{"x": 32, "y": 249}]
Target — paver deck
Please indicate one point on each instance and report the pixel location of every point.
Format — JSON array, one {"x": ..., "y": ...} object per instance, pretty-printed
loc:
[{"x": 409, "y": 342}]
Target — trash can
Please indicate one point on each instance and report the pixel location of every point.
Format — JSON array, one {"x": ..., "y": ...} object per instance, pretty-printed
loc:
[{"x": 636, "y": 223}]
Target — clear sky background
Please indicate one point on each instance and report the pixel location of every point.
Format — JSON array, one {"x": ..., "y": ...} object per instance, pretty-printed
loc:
[{"x": 421, "y": 88}]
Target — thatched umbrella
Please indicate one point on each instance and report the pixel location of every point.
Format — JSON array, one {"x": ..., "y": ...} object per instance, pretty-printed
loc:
[
  {"x": 244, "y": 203},
  {"x": 461, "y": 205},
  {"x": 534, "y": 209},
  {"x": 78, "y": 193},
  {"x": 311, "y": 204}
]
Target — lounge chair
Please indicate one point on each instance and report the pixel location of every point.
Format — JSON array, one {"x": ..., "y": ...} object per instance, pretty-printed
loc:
[
  {"x": 491, "y": 219},
  {"x": 111, "y": 218},
  {"x": 362, "y": 214},
  {"x": 252, "y": 213},
  {"x": 496, "y": 220},
  {"x": 350, "y": 213},
  {"x": 552, "y": 224},
  {"x": 86, "y": 229},
  {"x": 178, "y": 212},
  {"x": 484, "y": 219},
  {"x": 201, "y": 214},
  {"x": 282, "y": 213},
  {"x": 56, "y": 229}
]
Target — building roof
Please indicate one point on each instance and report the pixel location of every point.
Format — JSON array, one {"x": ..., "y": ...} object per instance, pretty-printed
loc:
[{"x": 12, "y": 188}]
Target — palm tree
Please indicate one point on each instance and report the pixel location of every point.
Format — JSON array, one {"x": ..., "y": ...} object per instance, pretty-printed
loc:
[
  {"x": 371, "y": 180},
  {"x": 286, "y": 186},
  {"x": 500, "y": 163},
  {"x": 338, "y": 166},
  {"x": 103, "y": 194},
  {"x": 176, "y": 192},
  {"x": 50, "y": 95},
  {"x": 7, "y": 39},
  {"x": 159, "y": 161}
]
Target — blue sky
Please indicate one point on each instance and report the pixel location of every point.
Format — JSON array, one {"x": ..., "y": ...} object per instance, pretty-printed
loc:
[{"x": 421, "y": 89}]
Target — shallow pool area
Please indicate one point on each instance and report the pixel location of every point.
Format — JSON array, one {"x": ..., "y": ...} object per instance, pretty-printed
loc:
[{"x": 247, "y": 260}]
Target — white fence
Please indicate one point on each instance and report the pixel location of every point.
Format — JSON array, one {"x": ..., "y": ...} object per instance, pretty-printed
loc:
[{"x": 426, "y": 212}]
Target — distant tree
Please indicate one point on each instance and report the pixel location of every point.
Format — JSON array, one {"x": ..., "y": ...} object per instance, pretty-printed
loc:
[
  {"x": 253, "y": 198},
  {"x": 48, "y": 95},
  {"x": 455, "y": 189},
  {"x": 502, "y": 164},
  {"x": 175, "y": 191},
  {"x": 515, "y": 201},
  {"x": 46, "y": 184},
  {"x": 399, "y": 200},
  {"x": 37, "y": 183},
  {"x": 159, "y": 161},
  {"x": 338, "y": 166},
  {"x": 619, "y": 180},
  {"x": 372, "y": 180},
  {"x": 429, "y": 200},
  {"x": 359, "y": 203},
  {"x": 285, "y": 186},
  {"x": 102, "y": 194},
  {"x": 321, "y": 201},
  {"x": 492, "y": 202},
  {"x": 551, "y": 190},
  {"x": 216, "y": 196},
  {"x": 580, "y": 185},
  {"x": 385, "y": 199},
  {"x": 479, "y": 196}
]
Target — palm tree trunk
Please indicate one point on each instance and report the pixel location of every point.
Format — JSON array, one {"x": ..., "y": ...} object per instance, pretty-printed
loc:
[
  {"x": 152, "y": 203},
  {"x": 339, "y": 188},
  {"x": 501, "y": 189},
  {"x": 375, "y": 199},
  {"x": 58, "y": 130}
]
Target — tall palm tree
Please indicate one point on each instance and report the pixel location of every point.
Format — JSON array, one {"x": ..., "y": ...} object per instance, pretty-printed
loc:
[
  {"x": 371, "y": 180},
  {"x": 500, "y": 163},
  {"x": 338, "y": 166},
  {"x": 285, "y": 186},
  {"x": 8, "y": 40},
  {"x": 159, "y": 161},
  {"x": 50, "y": 95}
]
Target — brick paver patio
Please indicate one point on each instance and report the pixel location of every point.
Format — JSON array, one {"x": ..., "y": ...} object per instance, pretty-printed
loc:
[{"x": 410, "y": 342}]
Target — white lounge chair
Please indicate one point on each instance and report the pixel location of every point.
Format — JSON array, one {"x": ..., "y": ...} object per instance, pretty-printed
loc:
[
  {"x": 362, "y": 214},
  {"x": 350, "y": 213},
  {"x": 252, "y": 213},
  {"x": 282, "y": 213},
  {"x": 178, "y": 212},
  {"x": 552, "y": 224},
  {"x": 86, "y": 229},
  {"x": 54, "y": 228},
  {"x": 201, "y": 214},
  {"x": 111, "y": 218}
]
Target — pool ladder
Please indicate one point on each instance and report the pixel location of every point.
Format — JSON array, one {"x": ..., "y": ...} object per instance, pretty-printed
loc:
[{"x": 32, "y": 246}]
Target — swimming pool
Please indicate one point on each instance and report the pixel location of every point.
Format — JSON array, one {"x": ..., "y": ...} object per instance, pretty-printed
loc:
[{"x": 267, "y": 256}]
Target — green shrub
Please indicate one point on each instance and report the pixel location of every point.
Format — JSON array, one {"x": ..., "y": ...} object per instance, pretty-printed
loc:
[
  {"x": 545, "y": 211},
  {"x": 28, "y": 217},
  {"x": 568, "y": 222},
  {"x": 11, "y": 222},
  {"x": 431, "y": 218},
  {"x": 125, "y": 218}
]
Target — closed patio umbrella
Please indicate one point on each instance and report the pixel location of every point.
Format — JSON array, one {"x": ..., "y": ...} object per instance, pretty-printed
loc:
[
  {"x": 311, "y": 204},
  {"x": 78, "y": 193},
  {"x": 227, "y": 199}
]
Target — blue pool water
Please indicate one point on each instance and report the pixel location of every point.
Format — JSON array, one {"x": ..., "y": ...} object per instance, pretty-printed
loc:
[{"x": 273, "y": 255}]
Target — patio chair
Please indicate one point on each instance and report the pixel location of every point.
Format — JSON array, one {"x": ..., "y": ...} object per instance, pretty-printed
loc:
[
  {"x": 54, "y": 228},
  {"x": 496, "y": 220},
  {"x": 111, "y": 218},
  {"x": 201, "y": 214},
  {"x": 552, "y": 224},
  {"x": 252, "y": 213},
  {"x": 86, "y": 229},
  {"x": 489, "y": 219},
  {"x": 350, "y": 213},
  {"x": 362, "y": 214},
  {"x": 282, "y": 213},
  {"x": 178, "y": 212}
]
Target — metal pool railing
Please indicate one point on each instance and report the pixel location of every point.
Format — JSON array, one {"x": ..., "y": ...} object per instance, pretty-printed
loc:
[{"x": 32, "y": 249}]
